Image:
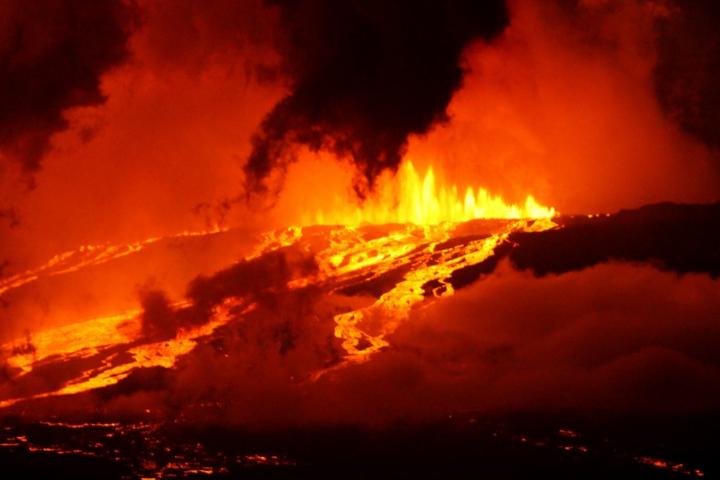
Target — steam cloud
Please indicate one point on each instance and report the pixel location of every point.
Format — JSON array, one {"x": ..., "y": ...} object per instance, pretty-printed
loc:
[
  {"x": 365, "y": 75},
  {"x": 622, "y": 341},
  {"x": 52, "y": 54}
]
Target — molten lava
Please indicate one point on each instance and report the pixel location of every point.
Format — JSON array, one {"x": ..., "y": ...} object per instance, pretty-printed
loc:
[
  {"x": 410, "y": 198},
  {"x": 87, "y": 256},
  {"x": 430, "y": 257},
  {"x": 405, "y": 245},
  {"x": 414, "y": 201}
]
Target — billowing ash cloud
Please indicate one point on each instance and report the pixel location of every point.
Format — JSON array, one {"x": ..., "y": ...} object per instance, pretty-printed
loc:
[
  {"x": 688, "y": 68},
  {"x": 52, "y": 54},
  {"x": 365, "y": 75}
]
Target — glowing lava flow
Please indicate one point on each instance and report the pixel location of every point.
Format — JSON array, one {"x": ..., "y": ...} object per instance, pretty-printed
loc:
[
  {"x": 427, "y": 256},
  {"x": 89, "y": 255},
  {"x": 98, "y": 336},
  {"x": 414, "y": 201},
  {"x": 415, "y": 247},
  {"x": 113, "y": 346},
  {"x": 155, "y": 354}
]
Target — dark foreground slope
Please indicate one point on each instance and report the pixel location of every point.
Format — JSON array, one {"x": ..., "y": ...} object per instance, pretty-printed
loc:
[{"x": 679, "y": 238}]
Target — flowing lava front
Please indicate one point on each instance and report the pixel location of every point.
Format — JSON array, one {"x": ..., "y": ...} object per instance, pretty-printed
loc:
[{"x": 402, "y": 247}]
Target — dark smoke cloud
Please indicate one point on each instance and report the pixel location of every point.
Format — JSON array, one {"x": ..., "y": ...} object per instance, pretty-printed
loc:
[
  {"x": 249, "y": 279},
  {"x": 688, "y": 70},
  {"x": 365, "y": 75},
  {"x": 157, "y": 318},
  {"x": 52, "y": 54}
]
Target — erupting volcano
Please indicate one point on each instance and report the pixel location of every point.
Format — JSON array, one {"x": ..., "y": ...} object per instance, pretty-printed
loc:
[
  {"x": 359, "y": 239},
  {"x": 401, "y": 252}
]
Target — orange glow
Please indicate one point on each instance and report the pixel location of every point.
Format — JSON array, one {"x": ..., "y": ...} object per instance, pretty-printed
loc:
[
  {"x": 352, "y": 253},
  {"x": 163, "y": 354},
  {"x": 85, "y": 339},
  {"x": 363, "y": 331},
  {"x": 430, "y": 212},
  {"x": 410, "y": 198},
  {"x": 413, "y": 215},
  {"x": 89, "y": 255},
  {"x": 248, "y": 240}
]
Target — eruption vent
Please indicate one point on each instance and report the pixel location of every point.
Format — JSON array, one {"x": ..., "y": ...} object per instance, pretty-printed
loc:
[{"x": 422, "y": 200}]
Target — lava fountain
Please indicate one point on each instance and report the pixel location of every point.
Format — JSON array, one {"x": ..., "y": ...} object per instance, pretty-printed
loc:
[{"x": 404, "y": 232}]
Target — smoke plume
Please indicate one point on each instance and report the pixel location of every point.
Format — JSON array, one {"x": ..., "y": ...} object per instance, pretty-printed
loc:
[
  {"x": 52, "y": 54},
  {"x": 688, "y": 68},
  {"x": 365, "y": 75}
]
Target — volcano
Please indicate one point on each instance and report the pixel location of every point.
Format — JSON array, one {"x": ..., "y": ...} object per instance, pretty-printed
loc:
[{"x": 359, "y": 239}]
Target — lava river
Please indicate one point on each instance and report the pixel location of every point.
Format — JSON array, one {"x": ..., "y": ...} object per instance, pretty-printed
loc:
[{"x": 396, "y": 266}]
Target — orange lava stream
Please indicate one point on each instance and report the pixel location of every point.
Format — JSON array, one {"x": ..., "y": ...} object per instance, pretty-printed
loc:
[
  {"x": 429, "y": 212},
  {"x": 67, "y": 340},
  {"x": 408, "y": 247},
  {"x": 85, "y": 339},
  {"x": 157, "y": 354},
  {"x": 88, "y": 255}
]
